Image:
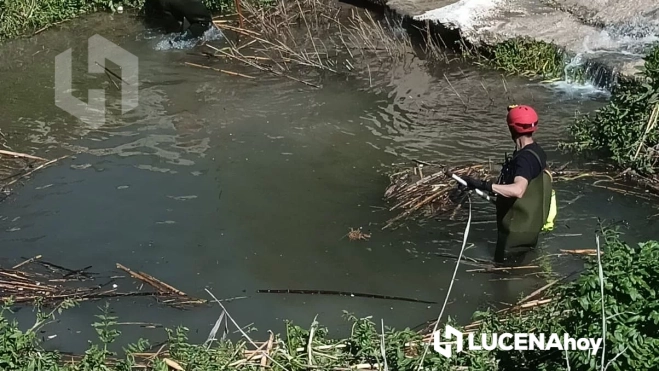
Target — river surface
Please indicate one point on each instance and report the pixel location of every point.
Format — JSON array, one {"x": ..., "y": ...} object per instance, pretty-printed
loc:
[{"x": 220, "y": 182}]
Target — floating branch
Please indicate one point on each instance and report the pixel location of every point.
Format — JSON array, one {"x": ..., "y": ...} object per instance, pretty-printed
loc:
[
  {"x": 21, "y": 155},
  {"x": 500, "y": 269},
  {"x": 219, "y": 70},
  {"x": 592, "y": 252},
  {"x": 154, "y": 282},
  {"x": 20, "y": 176}
]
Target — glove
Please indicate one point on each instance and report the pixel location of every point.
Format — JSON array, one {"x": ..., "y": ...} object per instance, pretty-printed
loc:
[{"x": 477, "y": 184}]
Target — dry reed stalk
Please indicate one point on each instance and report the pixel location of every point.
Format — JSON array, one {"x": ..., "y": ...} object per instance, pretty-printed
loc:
[
  {"x": 238, "y": 30},
  {"x": 537, "y": 292},
  {"x": 154, "y": 282},
  {"x": 273, "y": 38},
  {"x": 652, "y": 122},
  {"x": 28, "y": 261},
  {"x": 21, "y": 155},
  {"x": 265, "y": 361},
  {"x": 262, "y": 68},
  {"x": 251, "y": 355},
  {"x": 432, "y": 193},
  {"x": 279, "y": 46},
  {"x": 592, "y": 252},
  {"x": 500, "y": 269},
  {"x": 240, "y": 13},
  {"x": 219, "y": 70},
  {"x": 455, "y": 91},
  {"x": 304, "y": 18},
  {"x": 526, "y": 306},
  {"x": 34, "y": 170}
]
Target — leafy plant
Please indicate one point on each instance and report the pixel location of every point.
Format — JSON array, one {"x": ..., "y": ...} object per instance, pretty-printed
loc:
[
  {"x": 631, "y": 279},
  {"x": 528, "y": 57},
  {"x": 20, "y": 350}
]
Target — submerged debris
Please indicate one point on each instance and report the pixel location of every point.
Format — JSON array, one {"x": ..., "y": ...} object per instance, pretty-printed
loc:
[
  {"x": 15, "y": 166},
  {"x": 357, "y": 234}
]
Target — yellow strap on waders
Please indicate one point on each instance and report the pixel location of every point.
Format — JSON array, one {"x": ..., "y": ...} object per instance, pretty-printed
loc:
[
  {"x": 553, "y": 210},
  {"x": 549, "y": 224}
]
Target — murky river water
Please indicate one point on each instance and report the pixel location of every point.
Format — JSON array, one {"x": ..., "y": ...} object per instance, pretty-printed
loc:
[{"x": 219, "y": 182}]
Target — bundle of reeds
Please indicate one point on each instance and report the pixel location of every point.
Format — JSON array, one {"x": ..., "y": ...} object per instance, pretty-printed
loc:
[
  {"x": 293, "y": 38},
  {"x": 426, "y": 190},
  {"x": 51, "y": 284}
]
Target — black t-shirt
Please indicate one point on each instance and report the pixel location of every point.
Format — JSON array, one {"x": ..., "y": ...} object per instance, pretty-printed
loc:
[{"x": 526, "y": 164}]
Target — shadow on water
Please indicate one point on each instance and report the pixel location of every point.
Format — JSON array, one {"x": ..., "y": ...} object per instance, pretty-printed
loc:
[{"x": 221, "y": 182}]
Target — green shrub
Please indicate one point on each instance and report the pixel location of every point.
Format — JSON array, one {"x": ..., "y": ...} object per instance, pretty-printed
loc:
[
  {"x": 631, "y": 302},
  {"x": 526, "y": 57}
]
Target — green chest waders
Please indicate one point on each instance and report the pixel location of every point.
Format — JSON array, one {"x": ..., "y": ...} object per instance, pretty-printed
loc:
[{"x": 520, "y": 220}]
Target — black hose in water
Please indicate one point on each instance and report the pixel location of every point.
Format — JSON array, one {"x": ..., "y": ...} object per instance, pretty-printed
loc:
[{"x": 344, "y": 293}]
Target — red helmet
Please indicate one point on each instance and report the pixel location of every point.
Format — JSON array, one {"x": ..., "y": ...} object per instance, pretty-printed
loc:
[{"x": 522, "y": 119}]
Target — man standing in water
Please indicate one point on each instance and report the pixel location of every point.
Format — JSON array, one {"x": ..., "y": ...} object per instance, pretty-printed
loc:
[
  {"x": 194, "y": 12},
  {"x": 523, "y": 189}
]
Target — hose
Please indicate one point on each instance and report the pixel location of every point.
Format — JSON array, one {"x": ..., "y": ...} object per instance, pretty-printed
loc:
[{"x": 455, "y": 273}]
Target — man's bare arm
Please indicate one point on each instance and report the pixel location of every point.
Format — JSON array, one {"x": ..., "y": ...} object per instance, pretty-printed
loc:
[{"x": 515, "y": 190}]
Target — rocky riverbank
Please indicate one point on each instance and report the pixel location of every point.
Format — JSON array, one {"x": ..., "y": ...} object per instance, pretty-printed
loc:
[{"x": 609, "y": 36}]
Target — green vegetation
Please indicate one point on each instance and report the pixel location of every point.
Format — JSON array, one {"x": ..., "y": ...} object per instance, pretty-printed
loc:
[
  {"x": 625, "y": 129},
  {"x": 525, "y": 57},
  {"x": 631, "y": 279},
  {"x": 24, "y": 17},
  {"x": 631, "y": 306},
  {"x": 21, "y": 17}
]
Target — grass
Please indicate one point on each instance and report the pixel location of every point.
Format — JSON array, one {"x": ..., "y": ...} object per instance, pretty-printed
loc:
[
  {"x": 25, "y": 17},
  {"x": 524, "y": 57}
]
